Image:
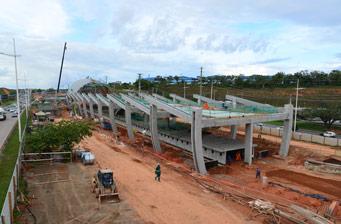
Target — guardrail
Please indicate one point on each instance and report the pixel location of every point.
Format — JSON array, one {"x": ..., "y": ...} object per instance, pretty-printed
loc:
[
  {"x": 11, "y": 195},
  {"x": 300, "y": 136}
]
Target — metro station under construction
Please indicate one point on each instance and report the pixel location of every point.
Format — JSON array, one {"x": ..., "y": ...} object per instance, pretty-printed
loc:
[{"x": 184, "y": 123}]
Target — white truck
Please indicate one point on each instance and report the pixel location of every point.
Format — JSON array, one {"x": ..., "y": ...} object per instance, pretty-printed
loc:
[{"x": 2, "y": 114}]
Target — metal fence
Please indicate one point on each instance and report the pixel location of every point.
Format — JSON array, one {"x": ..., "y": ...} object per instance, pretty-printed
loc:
[{"x": 11, "y": 195}]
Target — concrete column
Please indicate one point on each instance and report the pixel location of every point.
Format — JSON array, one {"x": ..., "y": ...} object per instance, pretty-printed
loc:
[
  {"x": 112, "y": 118},
  {"x": 100, "y": 109},
  {"x": 153, "y": 128},
  {"x": 234, "y": 130},
  {"x": 196, "y": 139},
  {"x": 129, "y": 124},
  {"x": 248, "y": 143},
  {"x": 146, "y": 120},
  {"x": 84, "y": 109},
  {"x": 287, "y": 132},
  {"x": 234, "y": 103},
  {"x": 91, "y": 106}
]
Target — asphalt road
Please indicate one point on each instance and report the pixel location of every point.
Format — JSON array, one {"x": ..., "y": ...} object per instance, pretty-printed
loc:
[{"x": 5, "y": 128}]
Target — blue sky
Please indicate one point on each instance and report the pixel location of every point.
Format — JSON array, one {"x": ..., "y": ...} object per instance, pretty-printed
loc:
[{"x": 121, "y": 38}]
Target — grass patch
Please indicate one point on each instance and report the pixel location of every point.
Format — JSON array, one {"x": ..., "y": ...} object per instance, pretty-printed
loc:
[
  {"x": 7, "y": 160},
  {"x": 7, "y": 102}
]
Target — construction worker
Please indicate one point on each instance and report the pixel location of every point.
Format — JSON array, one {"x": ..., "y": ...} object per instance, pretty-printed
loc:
[
  {"x": 257, "y": 173},
  {"x": 158, "y": 172}
]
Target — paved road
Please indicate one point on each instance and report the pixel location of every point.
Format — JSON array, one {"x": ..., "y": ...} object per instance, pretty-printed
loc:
[{"x": 5, "y": 128}]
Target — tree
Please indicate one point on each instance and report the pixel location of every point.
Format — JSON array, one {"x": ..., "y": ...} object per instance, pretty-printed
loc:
[
  {"x": 327, "y": 112},
  {"x": 60, "y": 136}
]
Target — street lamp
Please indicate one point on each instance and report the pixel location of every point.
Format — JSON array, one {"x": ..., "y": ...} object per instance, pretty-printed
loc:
[{"x": 14, "y": 55}]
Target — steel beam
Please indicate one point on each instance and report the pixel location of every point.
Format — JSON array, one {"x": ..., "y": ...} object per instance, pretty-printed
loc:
[
  {"x": 196, "y": 139},
  {"x": 170, "y": 109}
]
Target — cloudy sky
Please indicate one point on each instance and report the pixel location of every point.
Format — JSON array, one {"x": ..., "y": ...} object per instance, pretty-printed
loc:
[{"x": 121, "y": 38}]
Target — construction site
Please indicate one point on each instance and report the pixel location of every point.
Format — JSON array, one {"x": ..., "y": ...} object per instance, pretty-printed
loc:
[{"x": 216, "y": 167}]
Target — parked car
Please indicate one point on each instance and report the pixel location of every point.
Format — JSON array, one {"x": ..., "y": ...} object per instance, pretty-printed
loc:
[
  {"x": 15, "y": 114},
  {"x": 329, "y": 134}
]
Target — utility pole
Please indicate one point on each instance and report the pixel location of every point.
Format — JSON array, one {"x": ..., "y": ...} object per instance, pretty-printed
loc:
[
  {"x": 61, "y": 68},
  {"x": 139, "y": 83},
  {"x": 211, "y": 89},
  {"x": 17, "y": 86},
  {"x": 199, "y": 100},
  {"x": 297, "y": 88}
]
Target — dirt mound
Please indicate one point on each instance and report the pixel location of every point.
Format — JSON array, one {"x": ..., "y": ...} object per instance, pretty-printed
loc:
[{"x": 331, "y": 187}]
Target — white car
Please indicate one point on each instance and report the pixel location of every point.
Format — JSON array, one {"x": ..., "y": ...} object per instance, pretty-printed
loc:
[
  {"x": 2, "y": 114},
  {"x": 329, "y": 134},
  {"x": 87, "y": 158}
]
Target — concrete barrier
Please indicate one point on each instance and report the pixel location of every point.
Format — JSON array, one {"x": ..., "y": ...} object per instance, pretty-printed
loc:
[
  {"x": 317, "y": 139},
  {"x": 331, "y": 141},
  {"x": 274, "y": 131},
  {"x": 306, "y": 137},
  {"x": 296, "y": 135}
]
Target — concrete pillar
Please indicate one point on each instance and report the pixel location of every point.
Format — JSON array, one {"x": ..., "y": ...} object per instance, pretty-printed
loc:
[
  {"x": 91, "y": 106},
  {"x": 287, "y": 132},
  {"x": 129, "y": 124},
  {"x": 234, "y": 103},
  {"x": 234, "y": 130},
  {"x": 196, "y": 139},
  {"x": 100, "y": 109},
  {"x": 145, "y": 121},
  {"x": 85, "y": 110},
  {"x": 112, "y": 118},
  {"x": 153, "y": 128},
  {"x": 248, "y": 143}
]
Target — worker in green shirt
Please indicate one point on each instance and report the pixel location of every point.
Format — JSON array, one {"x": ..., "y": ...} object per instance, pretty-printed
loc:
[{"x": 158, "y": 172}]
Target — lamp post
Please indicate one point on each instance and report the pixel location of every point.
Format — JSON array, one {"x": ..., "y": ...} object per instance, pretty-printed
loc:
[{"x": 14, "y": 55}]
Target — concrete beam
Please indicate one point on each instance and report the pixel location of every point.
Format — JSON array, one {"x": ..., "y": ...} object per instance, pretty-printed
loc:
[
  {"x": 196, "y": 139},
  {"x": 219, "y": 122},
  {"x": 116, "y": 101},
  {"x": 216, "y": 103},
  {"x": 85, "y": 113},
  {"x": 245, "y": 101},
  {"x": 287, "y": 132},
  {"x": 183, "y": 100},
  {"x": 154, "y": 129},
  {"x": 248, "y": 143},
  {"x": 91, "y": 105},
  {"x": 136, "y": 104},
  {"x": 234, "y": 130},
  {"x": 170, "y": 109},
  {"x": 99, "y": 104},
  {"x": 157, "y": 96}
]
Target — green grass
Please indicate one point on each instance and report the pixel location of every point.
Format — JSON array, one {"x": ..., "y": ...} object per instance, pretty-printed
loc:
[
  {"x": 7, "y": 161},
  {"x": 7, "y": 102},
  {"x": 307, "y": 125}
]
